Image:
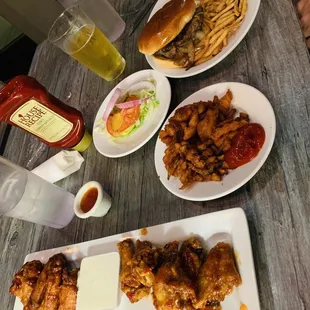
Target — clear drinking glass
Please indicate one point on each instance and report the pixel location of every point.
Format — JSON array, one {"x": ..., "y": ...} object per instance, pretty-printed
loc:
[
  {"x": 26, "y": 196},
  {"x": 76, "y": 34},
  {"x": 102, "y": 14},
  {"x": 105, "y": 17}
]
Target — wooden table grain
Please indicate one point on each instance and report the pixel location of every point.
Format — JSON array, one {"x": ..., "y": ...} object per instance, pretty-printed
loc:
[{"x": 273, "y": 58}]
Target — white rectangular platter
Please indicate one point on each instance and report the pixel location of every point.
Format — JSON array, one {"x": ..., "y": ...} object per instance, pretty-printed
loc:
[{"x": 229, "y": 225}]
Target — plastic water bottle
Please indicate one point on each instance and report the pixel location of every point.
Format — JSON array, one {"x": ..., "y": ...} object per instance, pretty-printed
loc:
[{"x": 26, "y": 196}]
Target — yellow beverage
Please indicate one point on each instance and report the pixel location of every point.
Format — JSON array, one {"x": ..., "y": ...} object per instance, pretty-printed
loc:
[{"x": 90, "y": 47}]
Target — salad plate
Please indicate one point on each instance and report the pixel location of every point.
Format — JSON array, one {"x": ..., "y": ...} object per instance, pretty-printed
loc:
[{"x": 148, "y": 93}]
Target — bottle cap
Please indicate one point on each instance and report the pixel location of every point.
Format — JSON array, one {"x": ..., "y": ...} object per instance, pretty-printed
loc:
[{"x": 84, "y": 143}]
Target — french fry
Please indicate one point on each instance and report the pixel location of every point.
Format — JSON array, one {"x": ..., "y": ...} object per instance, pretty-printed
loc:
[
  {"x": 217, "y": 50},
  {"x": 206, "y": 29},
  {"x": 236, "y": 8},
  {"x": 217, "y": 43},
  {"x": 221, "y": 26},
  {"x": 232, "y": 29},
  {"x": 225, "y": 41},
  {"x": 199, "y": 48},
  {"x": 222, "y": 20},
  {"x": 202, "y": 60},
  {"x": 220, "y": 7},
  {"x": 216, "y": 36},
  {"x": 222, "y": 12},
  {"x": 244, "y": 8},
  {"x": 228, "y": 13},
  {"x": 203, "y": 50},
  {"x": 211, "y": 25},
  {"x": 237, "y": 21}
]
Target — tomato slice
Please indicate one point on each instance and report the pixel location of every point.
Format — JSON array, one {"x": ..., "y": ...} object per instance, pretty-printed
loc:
[{"x": 122, "y": 120}]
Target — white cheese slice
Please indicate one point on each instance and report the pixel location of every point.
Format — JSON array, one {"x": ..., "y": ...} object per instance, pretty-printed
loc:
[{"x": 98, "y": 282}]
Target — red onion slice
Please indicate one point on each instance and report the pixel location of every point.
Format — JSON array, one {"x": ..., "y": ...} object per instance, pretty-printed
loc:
[
  {"x": 111, "y": 104},
  {"x": 130, "y": 104}
]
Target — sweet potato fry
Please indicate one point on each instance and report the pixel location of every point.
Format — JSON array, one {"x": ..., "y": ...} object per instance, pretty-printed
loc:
[
  {"x": 225, "y": 101},
  {"x": 197, "y": 136},
  {"x": 206, "y": 126},
  {"x": 232, "y": 126}
]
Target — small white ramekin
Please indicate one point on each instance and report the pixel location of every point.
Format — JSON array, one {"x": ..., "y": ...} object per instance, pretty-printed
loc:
[{"x": 100, "y": 208}]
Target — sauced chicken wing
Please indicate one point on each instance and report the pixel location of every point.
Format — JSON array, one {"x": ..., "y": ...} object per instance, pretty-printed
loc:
[
  {"x": 68, "y": 290},
  {"x": 172, "y": 289},
  {"x": 192, "y": 255},
  {"x": 217, "y": 276},
  {"x": 46, "y": 287},
  {"x": 126, "y": 251},
  {"x": 25, "y": 280},
  {"x": 45, "y": 295},
  {"x": 137, "y": 275}
]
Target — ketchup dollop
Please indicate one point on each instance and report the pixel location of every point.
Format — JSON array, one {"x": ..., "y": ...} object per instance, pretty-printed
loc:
[{"x": 245, "y": 146}]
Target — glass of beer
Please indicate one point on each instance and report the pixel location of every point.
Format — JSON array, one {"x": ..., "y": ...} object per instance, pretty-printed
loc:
[{"x": 76, "y": 34}]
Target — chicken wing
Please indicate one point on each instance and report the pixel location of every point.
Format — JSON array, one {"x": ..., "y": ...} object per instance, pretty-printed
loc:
[
  {"x": 45, "y": 295},
  {"x": 126, "y": 251},
  {"x": 172, "y": 289},
  {"x": 217, "y": 276},
  {"x": 25, "y": 280},
  {"x": 192, "y": 255},
  {"x": 68, "y": 290},
  {"x": 137, "y": 275}
]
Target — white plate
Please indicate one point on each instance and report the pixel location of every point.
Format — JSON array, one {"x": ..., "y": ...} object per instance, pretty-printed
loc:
[
  {"x": 221, "y": 226},
  {"x": 253, "y": 6},
  {"x": 245, "y": 98},
  {"x": 124, "y": 146}
]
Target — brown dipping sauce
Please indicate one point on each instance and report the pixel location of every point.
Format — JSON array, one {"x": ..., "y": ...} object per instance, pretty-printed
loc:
[{"x": 89, "y": 199}]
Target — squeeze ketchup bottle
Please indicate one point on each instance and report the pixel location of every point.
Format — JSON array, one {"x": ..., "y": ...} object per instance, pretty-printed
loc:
[{"x": 26, "y": 104}]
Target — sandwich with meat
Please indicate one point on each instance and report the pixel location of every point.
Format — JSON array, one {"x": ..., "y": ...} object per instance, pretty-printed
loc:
[{"x": 173, "y": 33}]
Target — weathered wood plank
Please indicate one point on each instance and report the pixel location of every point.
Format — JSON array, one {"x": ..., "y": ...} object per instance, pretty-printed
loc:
[{"x": 273, "y": 58}]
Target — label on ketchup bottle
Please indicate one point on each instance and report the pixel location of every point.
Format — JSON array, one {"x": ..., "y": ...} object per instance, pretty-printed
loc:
[{"x": 41, "y": 121}]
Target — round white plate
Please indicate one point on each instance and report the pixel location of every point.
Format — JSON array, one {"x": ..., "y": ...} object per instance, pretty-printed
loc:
[
  {"x": 124, "y": 146},
  {"x": 247, "y": 99},
  {"x": 253, "y": 6}
]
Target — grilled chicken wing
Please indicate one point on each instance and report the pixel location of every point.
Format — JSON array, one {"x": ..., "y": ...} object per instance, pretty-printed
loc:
[
  {"x": 192, "y": 255},
  {"x": 172, "y": 289},
  {"x": 45, "y": 295},
  {"x": 68, "y": 290},
  {"x": 137, "y": 275},
  {"x": 25, "y": 280},
  {"x": 217, "y": 276}
]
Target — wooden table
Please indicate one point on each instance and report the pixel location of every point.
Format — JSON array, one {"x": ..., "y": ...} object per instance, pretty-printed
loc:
[{"x": 273, "y": 58}]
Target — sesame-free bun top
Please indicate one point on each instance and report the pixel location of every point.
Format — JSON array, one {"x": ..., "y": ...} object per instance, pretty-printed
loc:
[{"x": 165, "y": 25}]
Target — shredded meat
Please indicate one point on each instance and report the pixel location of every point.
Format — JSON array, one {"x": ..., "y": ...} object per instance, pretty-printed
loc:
[{"x": 182, "y": 49}]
